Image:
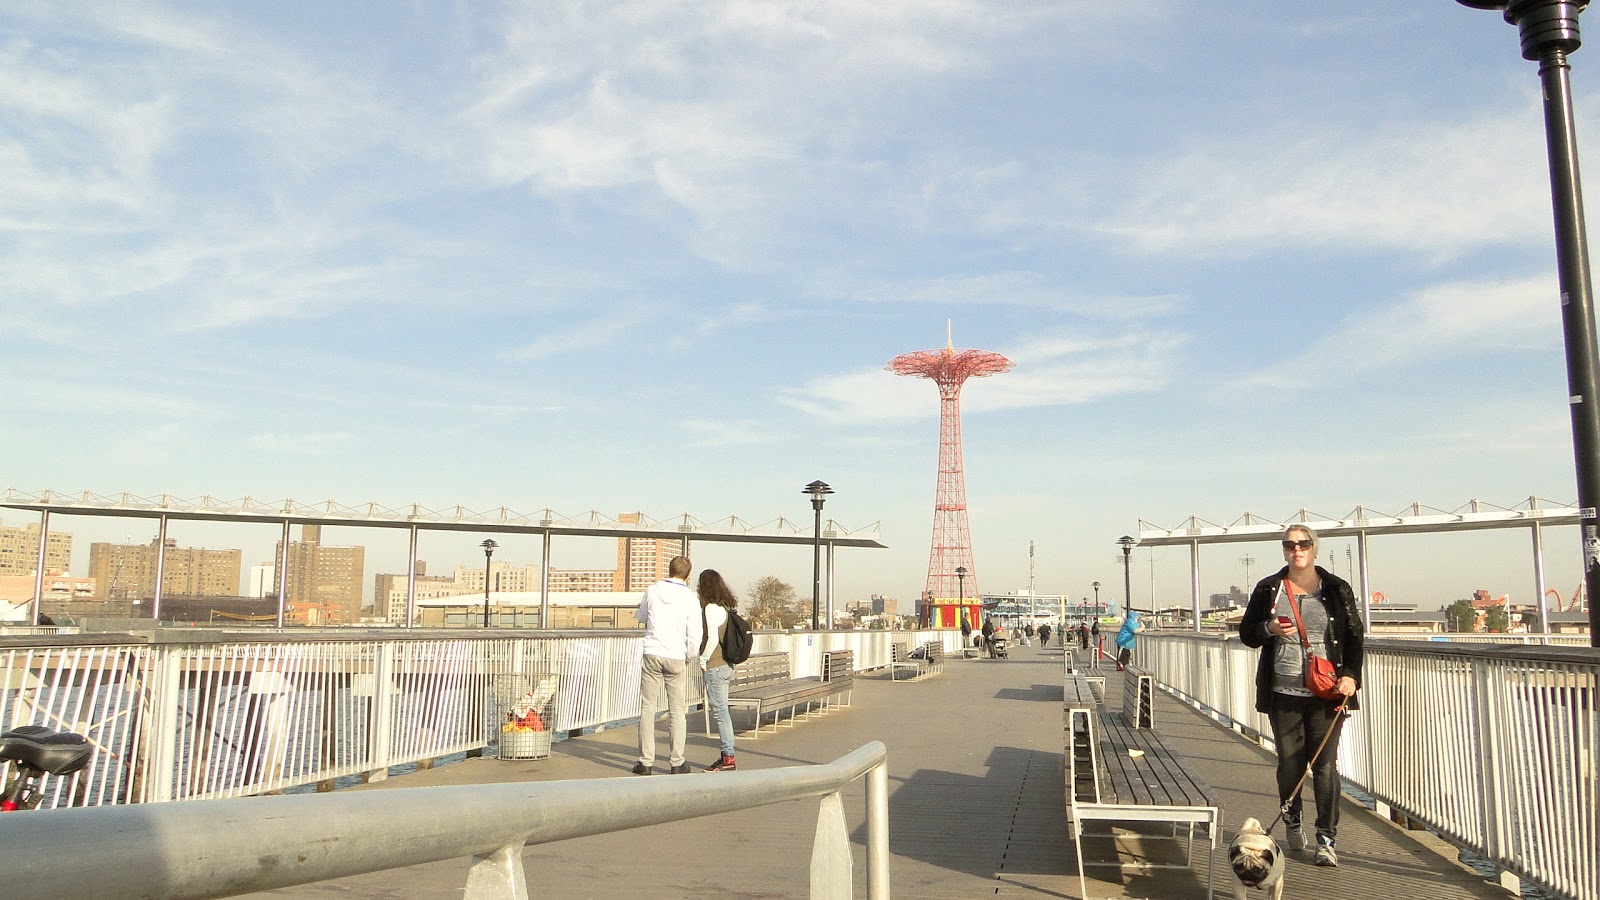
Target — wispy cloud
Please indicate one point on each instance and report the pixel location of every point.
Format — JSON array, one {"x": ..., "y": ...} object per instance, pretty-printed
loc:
[
  {"x": 1429, "y": 187},
  {"x": 305, "y": 444},
  {"x": 1459, "y": 319},
  {"x": 732, "y": 433},
  {"x": 582, "y": 337}
]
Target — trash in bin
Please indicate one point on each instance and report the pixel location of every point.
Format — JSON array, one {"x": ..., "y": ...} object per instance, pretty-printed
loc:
[{"x": 527, "y": 717}]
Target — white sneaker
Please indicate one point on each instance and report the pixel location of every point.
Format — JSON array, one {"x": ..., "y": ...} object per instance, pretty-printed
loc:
[
  {"x": 1297, "y": 835},
  {"x": 1326, "y": 856}
]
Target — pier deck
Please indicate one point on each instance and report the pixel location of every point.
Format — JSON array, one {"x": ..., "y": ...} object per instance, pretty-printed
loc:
[{"x": 976, "y": 808}]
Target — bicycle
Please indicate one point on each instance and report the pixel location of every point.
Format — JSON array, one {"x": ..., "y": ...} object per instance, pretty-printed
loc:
[{"x": 35, "y": 751}]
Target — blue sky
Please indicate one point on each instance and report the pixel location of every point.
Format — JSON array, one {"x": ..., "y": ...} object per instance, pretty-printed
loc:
[{"x": 654, "y": 256}]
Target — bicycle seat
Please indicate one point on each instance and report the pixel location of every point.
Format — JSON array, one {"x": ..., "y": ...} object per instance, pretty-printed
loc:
[{"x": 37, "y": 747}]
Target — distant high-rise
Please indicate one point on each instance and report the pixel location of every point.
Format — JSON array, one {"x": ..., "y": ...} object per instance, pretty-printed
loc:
[
  {"x": 642, "y": 561},
  {"x": 128, "y": 571},
  {"x": 323, "y": 576},
  {"x": 950, "y": 594},
  {"x": 19, "y": 550}
]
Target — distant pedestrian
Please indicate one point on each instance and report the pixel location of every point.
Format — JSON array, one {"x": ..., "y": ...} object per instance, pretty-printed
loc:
[
  {"x": 987, "y": 631},
  {"x": 671, "y": 618},
  {"x": 1027, "y": 635},
  {"x": 966, "y": 630},
  {"x": 1083, "y": 636},
  {"x": 715, "y": 601},
  {"x": 1126, "y": 638},
  {"x": 1044, "y": 636},
  {"x": 1300, "y": 720},
  {"x": 1094, "y": 638}
]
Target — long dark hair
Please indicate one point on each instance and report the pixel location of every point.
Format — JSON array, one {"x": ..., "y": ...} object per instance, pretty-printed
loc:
[{"x": 714, "y": 590}]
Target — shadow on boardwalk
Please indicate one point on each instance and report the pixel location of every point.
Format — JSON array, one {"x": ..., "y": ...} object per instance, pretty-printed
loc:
[{"x": 976, "y": 808}]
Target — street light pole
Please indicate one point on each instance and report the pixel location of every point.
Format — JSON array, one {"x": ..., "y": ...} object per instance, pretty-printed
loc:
[
  {"x": 1127, "y": 543},
  {"x": 488, "y": 554},
  {"x": 1096, "y": 587},
  {"x": 1549, "y": 32},
  {"x": 961, "y": 590},
  {"x": 819, "y": 492}
]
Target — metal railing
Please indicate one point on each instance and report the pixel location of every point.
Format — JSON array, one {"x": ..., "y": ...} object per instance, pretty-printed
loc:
[
  {"x": 1494, "y": 748},
  {"x": 219, "y": 848},
  {"x": 208, "y": 718}
]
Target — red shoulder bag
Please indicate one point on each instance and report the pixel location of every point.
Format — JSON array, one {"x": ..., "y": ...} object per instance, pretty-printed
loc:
[{"x": 1321, "y": 678}]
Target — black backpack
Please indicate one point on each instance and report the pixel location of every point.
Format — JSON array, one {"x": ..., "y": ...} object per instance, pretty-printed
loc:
[{"x": 737, "y": 638}]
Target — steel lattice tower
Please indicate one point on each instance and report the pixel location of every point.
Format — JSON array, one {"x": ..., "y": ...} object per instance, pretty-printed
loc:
[{"x": 952, "y": 544}]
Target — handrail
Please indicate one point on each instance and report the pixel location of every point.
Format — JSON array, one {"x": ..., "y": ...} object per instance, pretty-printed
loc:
[{"x": 219, "y": 848}]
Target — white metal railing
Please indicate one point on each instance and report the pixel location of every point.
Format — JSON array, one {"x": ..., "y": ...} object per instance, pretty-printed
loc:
[
  {"x": 1493, "y": 747},
  {"x": 219, "y": 848},
  {"x": 206, "y": 719}
]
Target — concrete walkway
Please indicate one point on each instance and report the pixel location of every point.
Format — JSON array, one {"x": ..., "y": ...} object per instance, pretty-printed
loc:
[{"x": 976, "y": 808}]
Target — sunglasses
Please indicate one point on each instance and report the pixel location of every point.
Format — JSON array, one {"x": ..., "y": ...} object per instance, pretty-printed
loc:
[{"x": 1303, "y": 545}]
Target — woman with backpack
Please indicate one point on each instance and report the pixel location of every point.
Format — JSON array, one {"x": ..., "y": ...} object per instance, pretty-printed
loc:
[{"x": 715, "y": 602}]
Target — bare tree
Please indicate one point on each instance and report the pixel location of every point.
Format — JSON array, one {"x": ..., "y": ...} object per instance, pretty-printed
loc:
[{"x": 773, "y": 604}]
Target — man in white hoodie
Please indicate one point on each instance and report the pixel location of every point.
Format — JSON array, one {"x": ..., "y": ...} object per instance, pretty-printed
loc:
[{"x": 670, "y": 614}]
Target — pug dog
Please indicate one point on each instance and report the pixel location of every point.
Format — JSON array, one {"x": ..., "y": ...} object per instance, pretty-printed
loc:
[{"x": 1256, "y": 861}]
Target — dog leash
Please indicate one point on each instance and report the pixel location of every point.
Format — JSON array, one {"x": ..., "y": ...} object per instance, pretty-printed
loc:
[{"x": 1311, "y": 763}]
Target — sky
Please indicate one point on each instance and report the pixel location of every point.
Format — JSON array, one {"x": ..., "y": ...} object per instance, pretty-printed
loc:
[{"x": 654, "y": 255}]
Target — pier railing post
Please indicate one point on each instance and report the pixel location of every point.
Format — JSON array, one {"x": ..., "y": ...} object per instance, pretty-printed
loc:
[
  {"x": 878, "y": 832},
  {"x": 831, "y": 866}
]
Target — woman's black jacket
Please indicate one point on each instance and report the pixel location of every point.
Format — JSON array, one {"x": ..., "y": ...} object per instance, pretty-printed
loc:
[{"x": 1346, "y": 633}]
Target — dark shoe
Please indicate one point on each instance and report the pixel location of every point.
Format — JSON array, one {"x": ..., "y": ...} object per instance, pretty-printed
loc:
[
  {"x": 682, "y": 769},
  {"x": 642, "y": 769},
  {"x": 1326, "y": 856},
  {"x": 724, "y": 763}
]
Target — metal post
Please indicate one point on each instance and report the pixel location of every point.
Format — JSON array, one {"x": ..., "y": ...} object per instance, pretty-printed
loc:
[
  {"x": 1366, "y": 579},
  {"x": 544, "y": 583},
  {"x": 161, "y": 562},
  {"x": 830, "y": 583},
  {"x": 283, "y": 573},
  {"x": 38, "y": 575},
  {"x": 1194, "y": 575},
  {"x": 1549, "y": 32},
  {"x": 411, "y": 582},
  {"x": 878, "y": 832},
  {"x": 1538, "y": 580}
]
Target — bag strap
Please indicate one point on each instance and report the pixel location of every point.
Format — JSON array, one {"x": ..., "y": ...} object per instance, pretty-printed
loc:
[{"x": 1288, "y": 588}]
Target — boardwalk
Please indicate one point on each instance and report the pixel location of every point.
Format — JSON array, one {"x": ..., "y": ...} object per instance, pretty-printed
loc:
[{"x": 976, "y": 809}]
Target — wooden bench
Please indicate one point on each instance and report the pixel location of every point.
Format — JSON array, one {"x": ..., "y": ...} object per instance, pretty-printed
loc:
[
  {"x": 1138, "y": 697},
  {"x": 763, "y": 684},
  {"x": 1120, "y": 773}
]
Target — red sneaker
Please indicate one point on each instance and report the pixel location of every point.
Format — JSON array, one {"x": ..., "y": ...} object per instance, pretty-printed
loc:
[{"x": 724, "y": 763}]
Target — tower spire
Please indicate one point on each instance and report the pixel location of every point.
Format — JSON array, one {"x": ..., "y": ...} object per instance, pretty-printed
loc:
[{"x": 948, "y": 591}]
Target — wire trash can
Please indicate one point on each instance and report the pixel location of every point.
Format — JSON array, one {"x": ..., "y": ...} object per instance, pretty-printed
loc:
[{"x": 527, "y": 705}]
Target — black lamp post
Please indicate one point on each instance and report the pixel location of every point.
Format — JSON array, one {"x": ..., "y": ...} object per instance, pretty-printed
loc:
[
  {"x": 1096, "y": 587},
  {"x": 961, "y": 588},
  {"x": 1127, "y": 543},
  {"x": 819, "y": 492},
  {"x": 1549, "y": 32},
  {"x": 488, "y": 554}
]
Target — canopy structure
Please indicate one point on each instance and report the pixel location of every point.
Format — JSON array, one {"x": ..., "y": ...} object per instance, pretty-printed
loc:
[
  {"x": 415, "y": 517},
  {"x": 1474, "y": 515}
]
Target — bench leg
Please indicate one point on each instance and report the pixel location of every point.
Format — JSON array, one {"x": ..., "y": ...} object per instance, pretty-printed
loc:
[{"x": 1077, "y": 843}]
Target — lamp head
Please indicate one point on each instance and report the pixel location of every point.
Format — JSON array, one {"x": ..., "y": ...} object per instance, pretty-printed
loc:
[
  {"x": 488, "y": 546},
  {"x": 1127, "y": 542}
]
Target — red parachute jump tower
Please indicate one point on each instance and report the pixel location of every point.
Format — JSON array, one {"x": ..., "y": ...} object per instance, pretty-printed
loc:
[{"x": 950, "y": 595}]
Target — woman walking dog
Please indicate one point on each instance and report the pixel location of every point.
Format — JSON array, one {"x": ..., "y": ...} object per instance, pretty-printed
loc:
[{"x": 1325, "y": 605}]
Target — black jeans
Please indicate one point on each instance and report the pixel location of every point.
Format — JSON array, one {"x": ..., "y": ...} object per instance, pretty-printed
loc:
[{"x": 1298, "y": 727}]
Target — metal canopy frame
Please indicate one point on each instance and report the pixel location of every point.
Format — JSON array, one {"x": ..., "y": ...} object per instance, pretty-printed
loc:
[
  {"x": 1475, "y": 515},
  {"x": 416, "y": 518}
]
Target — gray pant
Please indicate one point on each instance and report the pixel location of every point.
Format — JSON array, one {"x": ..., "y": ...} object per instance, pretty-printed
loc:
[{"x": 654, "y": 673}]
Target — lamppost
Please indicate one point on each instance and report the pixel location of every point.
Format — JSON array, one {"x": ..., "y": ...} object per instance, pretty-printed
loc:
[
  {"x": 1127, "y": 543},
  {"x": 1096, "y": 587},
  {"x": 961, "y": 589},
  {"x": 1549, "y": 32},
  {"x": 819, "y": 492},
  {"x": 488, "y": 554}
]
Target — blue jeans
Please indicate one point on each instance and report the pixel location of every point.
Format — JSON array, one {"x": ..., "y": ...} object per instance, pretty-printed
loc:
[{"x": 717, "y": 681}]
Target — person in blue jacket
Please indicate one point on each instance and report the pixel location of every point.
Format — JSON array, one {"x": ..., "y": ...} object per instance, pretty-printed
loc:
[{"x": 1126, "y": 638}]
